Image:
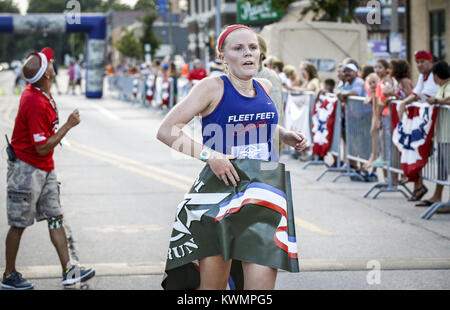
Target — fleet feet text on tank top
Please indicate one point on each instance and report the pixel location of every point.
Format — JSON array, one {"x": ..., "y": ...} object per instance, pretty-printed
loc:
[{"x": 242, "y": 126}]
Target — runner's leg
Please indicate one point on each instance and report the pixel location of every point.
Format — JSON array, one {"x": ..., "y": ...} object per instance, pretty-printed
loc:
[
  {"x": 214, "y": 273},
  {"x": 258, "y": 277}
]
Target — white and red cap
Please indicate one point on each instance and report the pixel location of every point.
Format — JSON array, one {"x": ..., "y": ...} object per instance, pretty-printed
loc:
[{"x": 45, "y": 56}]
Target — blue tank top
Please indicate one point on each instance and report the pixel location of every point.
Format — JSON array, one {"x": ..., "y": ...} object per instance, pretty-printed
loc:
[{"x": 242, "y": 126}]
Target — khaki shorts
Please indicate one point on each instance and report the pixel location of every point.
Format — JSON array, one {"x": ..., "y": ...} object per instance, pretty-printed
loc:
[{"x": 32, "y": 193}]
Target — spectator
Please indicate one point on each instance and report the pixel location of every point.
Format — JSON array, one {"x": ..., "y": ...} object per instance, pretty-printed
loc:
[
  {"x": 77, "y": 76},
  {"x": 425, "y": 88},
  {"x": 185, "y": 70},
  {"x": 354, "y": 86},
  {"x": 294, "y": 81},
  {"x": 71, "y": 73},
  {"x": 441, "y": 74},
  {"x": 372, "y": 81},
  {"x": 329, "y": 85},
  {"x": 32, "y": 185},
  {"x": 278, "y": 67},
  {"x": 198, "y": 73},
  {"x": 173, "y": 73},
  {"x": 211, "y": 62},
  {"x": 340, "y": 85},
  {"x": 386, "y": 84},
  {"x": 341, "y": 78},
  {"x": 385, "y": 81},
  {"x": 217, "y": 69},
  {"x": 55, "y": 82},
  {"x": 401, "y": 71},
  {"x": 18, "y": 73},
  {"x": 268, "y": 62},
  {"x": 109, "y": 69},
  {"x": 365, "y": 71},
  {"x": 309, "y": 72},
  {"x": 277, "y": 88}
]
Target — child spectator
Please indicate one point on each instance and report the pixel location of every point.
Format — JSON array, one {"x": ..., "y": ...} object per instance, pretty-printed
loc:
[
  {"x": 372, "y": 81},
  {"x": 381, "y": 107},
  {"x": 294, "y": 81},
  {"x": 329, "y": 85},
  {"x": 366, "y": 70}
]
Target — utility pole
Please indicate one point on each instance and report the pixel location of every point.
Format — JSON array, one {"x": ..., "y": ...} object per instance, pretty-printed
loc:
[
  {"x": 218, "y": 18},
  {"x": 395, "y": 38},
  {"x": 172, "y": 49}
]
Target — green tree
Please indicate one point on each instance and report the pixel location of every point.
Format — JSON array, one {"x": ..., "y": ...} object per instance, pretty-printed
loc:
[
  {"x": 146, "y": 5},
  {"x": 114, "y": 5},
  {"x": 129, "y": 45},
  {"x": 8, "y": 6},
  {"x": 47, "y": 6},
  {"x": 332, "y": 10},
  {"x": 149, "y": 35}
]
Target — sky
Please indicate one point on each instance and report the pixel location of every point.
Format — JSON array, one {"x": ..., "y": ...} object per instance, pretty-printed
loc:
[{"x": 23, "y": 4}]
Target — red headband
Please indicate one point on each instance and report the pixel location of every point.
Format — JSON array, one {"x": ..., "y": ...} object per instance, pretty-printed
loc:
[
  {"x": 423, "y": 54},
  {"x": 227, "y": 32}
]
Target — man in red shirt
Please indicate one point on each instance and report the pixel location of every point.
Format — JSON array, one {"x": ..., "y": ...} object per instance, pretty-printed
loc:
[
  {"x": 33, "y": 189},
  {"x": 198, "y": 73}
]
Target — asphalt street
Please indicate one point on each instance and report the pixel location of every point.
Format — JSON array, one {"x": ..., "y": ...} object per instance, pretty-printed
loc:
[{"x": 120, "y": 189}]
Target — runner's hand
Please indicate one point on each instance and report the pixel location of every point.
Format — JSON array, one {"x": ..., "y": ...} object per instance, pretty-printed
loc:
[
  {"x": 223, "y": 169},
  {"x": 295, "y": 139},
  {"x": 74, "y": 118}
]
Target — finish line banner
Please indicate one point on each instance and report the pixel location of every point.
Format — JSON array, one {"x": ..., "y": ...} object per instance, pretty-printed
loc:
[{"x": 253, "y": 222}]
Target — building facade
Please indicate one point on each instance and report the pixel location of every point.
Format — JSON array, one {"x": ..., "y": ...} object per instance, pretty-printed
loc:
[
  {"x": 428, "y": 27},
  {"x": 201, "y": 25}
]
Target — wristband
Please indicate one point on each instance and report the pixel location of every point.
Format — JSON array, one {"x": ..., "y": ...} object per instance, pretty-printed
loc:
[{"x": 205, "y": 154}]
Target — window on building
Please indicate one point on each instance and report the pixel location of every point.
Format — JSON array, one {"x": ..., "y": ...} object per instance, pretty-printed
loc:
[{"x": 437, "y": 34}]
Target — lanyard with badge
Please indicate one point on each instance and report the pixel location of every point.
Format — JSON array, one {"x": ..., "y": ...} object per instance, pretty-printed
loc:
[{"x": 53, "y": 105}]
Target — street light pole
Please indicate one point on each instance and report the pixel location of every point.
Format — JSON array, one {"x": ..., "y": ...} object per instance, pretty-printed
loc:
[
  {"x": 394, "y": 24},
  {"x": 218, "y": 18},
  {"x": 172, "y": 49}
]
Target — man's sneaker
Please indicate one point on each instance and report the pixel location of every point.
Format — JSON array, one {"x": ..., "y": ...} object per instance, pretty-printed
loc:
[
  {"x": 76, "y": 274},
  {"x": 14, "y": 281}
]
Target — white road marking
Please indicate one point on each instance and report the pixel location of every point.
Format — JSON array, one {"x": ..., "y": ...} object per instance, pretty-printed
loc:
[{"x": 306, "y": 265}]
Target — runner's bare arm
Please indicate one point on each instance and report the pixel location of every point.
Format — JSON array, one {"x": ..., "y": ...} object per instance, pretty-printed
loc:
[
  {"x": 202, "y": 99},
  {"x": 204, "y": 94}
]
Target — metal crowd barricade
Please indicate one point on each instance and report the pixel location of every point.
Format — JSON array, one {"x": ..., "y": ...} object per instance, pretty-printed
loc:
[
  {"x": 184, "y": 86},
  {"x": 335, "y": 148},
  {"x": 391, "y": 158},
  {"x": 134, "y": 89},
  {"x": 298, "y": 116},
  {"x": 148, "y": 90},
  {"x": 312, "y": 99},
  {"x": 125, "y": 87},
  {"x": 138, "y": 90},
  {"x": 356, "y": 127},
  {"x": 437, "y": 168}
]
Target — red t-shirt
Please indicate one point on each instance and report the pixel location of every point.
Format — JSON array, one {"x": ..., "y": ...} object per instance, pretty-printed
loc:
[
  {"x": 197, "y": 74},
  {"x": 35, "y": 123}
]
